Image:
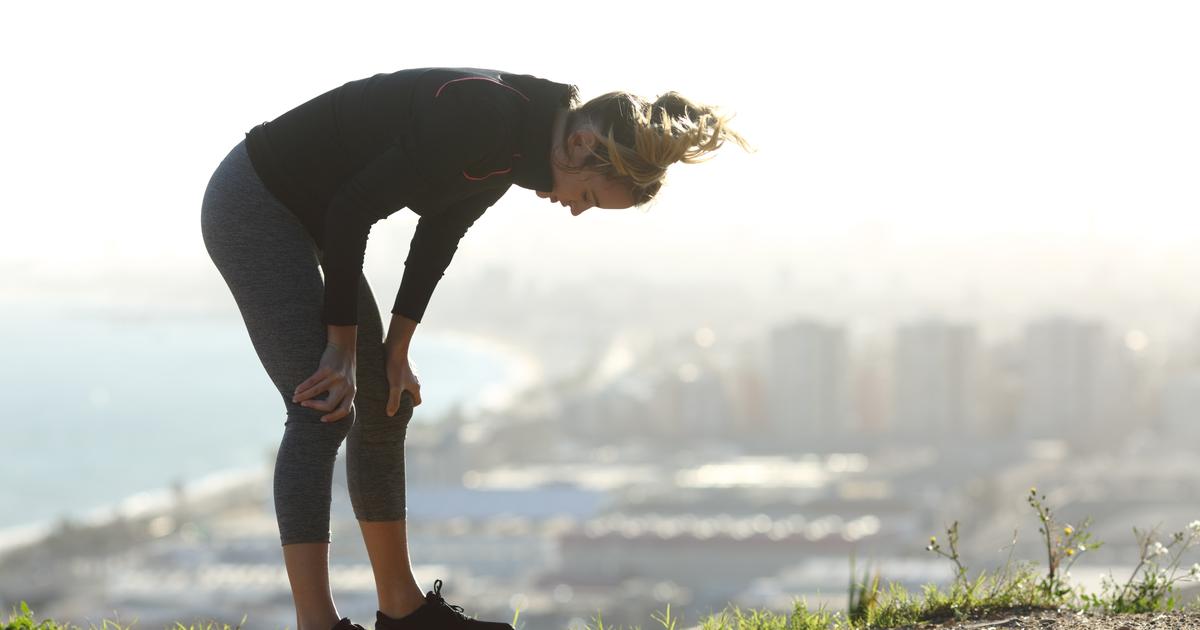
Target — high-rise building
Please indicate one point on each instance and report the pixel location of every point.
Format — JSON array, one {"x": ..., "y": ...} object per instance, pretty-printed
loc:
[
  {"x": 936, "y": 379},
  {"x": 807, "y": 382},
  {"x": 1072, "y": 384},
  {"x": 1180, "y": 418}
]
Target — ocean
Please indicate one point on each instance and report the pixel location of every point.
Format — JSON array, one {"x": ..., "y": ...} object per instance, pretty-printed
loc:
[{"x": 99, "y": 409}]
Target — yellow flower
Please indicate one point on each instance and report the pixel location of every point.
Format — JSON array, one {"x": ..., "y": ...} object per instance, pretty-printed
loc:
[
  {"x": 933, "y": 539},
  {"x": 1070, "y": 552},
  {"x": 1033, "y": 490},
  {"x": 1067, "y": 530}
]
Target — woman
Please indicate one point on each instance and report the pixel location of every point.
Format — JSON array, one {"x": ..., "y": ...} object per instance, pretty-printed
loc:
[{"x": 303, "y": 190}]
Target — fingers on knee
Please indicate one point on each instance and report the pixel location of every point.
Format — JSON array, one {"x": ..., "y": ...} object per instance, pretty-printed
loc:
[
  {"x": 312, "y": 417},
  {"x": 405, "y": 410}
]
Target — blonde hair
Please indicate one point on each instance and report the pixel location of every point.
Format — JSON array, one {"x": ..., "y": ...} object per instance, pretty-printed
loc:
[{"x": 639, "y": 139}]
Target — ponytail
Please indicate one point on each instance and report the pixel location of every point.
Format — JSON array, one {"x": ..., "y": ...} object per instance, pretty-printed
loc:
[{"x": 639, "y": 139}]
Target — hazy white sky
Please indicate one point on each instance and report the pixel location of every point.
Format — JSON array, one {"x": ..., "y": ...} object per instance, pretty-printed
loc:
[{"x": 968, "y": 141}]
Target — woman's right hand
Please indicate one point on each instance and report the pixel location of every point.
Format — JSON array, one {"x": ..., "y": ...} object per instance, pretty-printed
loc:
[
  {"x": 401, "y": 377},
  {"x": 335, "y": 374}
]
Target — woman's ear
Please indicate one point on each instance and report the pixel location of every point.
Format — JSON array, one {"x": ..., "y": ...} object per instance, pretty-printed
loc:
[
  {"x": 581, "y": 143},
  {"x": 584, "y": 137}
]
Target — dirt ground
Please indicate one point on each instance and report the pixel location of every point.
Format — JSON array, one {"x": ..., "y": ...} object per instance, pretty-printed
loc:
[{"x": 1055, "y": 620}]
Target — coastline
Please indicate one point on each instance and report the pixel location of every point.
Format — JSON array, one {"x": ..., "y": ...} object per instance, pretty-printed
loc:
[
  {"x": 524, "y": 369},
  {"x": 521, "y": 369},
  {"x": 212, "y": 487}
]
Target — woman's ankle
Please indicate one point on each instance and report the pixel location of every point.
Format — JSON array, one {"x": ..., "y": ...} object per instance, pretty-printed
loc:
[
  {"x": 400, "y": 605},
  {"x": 316, "y": 622}
]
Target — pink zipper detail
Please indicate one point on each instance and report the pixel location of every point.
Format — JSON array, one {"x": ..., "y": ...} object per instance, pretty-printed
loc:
[
  {"x": 443, "y": 86},
  {"x": 486, "y": 176}
]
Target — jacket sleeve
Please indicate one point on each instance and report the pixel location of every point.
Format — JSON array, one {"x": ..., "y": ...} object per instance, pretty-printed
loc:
[
  {"x": 433, "y": 246},
  {"x": 378, "y": 189}
]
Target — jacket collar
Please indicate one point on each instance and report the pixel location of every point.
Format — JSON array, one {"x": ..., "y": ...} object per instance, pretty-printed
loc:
[{"x": 532, "y": 169}]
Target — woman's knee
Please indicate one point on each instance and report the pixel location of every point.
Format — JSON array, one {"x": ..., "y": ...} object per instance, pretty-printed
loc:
[
  {"x": 309, "y": 421},
  {"x": 374, "y": 421}
]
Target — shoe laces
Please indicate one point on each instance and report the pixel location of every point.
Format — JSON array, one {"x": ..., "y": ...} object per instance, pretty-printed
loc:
[{"x": 436, "y": 595}]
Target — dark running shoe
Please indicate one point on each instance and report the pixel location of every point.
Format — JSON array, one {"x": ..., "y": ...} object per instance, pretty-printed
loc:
[
  {"x": 436, "y": 614},
  {"x": 345, "y": 624}
]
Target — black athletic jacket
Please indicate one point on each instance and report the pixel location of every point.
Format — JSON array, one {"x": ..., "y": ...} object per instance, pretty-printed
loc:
[{"x": 444, "y": 142}]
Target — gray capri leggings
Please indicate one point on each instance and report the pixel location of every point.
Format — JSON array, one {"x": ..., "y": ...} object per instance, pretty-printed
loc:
[{"x": 271, "y": 264}]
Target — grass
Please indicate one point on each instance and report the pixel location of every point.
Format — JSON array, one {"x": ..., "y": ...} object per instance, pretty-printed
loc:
[
  {"x": 1023, "y": 587},
  {"x": 24, "y": 620}
]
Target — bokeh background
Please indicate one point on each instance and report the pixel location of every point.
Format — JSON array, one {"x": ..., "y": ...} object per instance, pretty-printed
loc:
[{"x": 962, "y": 262}]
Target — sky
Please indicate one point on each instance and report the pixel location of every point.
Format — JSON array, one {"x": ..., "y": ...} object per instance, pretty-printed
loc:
[{"x": 1012, "y": 148}]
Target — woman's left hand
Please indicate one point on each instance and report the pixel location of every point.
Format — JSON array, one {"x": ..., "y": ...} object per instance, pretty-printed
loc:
[{"x": 401, "y": 378}]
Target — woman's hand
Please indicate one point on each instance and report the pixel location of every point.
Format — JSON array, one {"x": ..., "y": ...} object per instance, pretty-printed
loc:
[
  {"x": 401, "y": 377},
  {"x": 336, "y": 374}
]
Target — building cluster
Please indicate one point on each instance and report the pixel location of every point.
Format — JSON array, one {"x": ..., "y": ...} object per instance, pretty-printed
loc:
[{"x": 809, "y": 384}]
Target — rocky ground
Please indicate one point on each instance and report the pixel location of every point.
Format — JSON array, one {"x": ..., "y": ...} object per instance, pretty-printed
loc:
[{"x": 1042, "y": 619}]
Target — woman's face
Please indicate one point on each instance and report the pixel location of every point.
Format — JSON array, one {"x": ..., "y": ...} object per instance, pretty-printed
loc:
[{"x": 585, "y": 189}]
